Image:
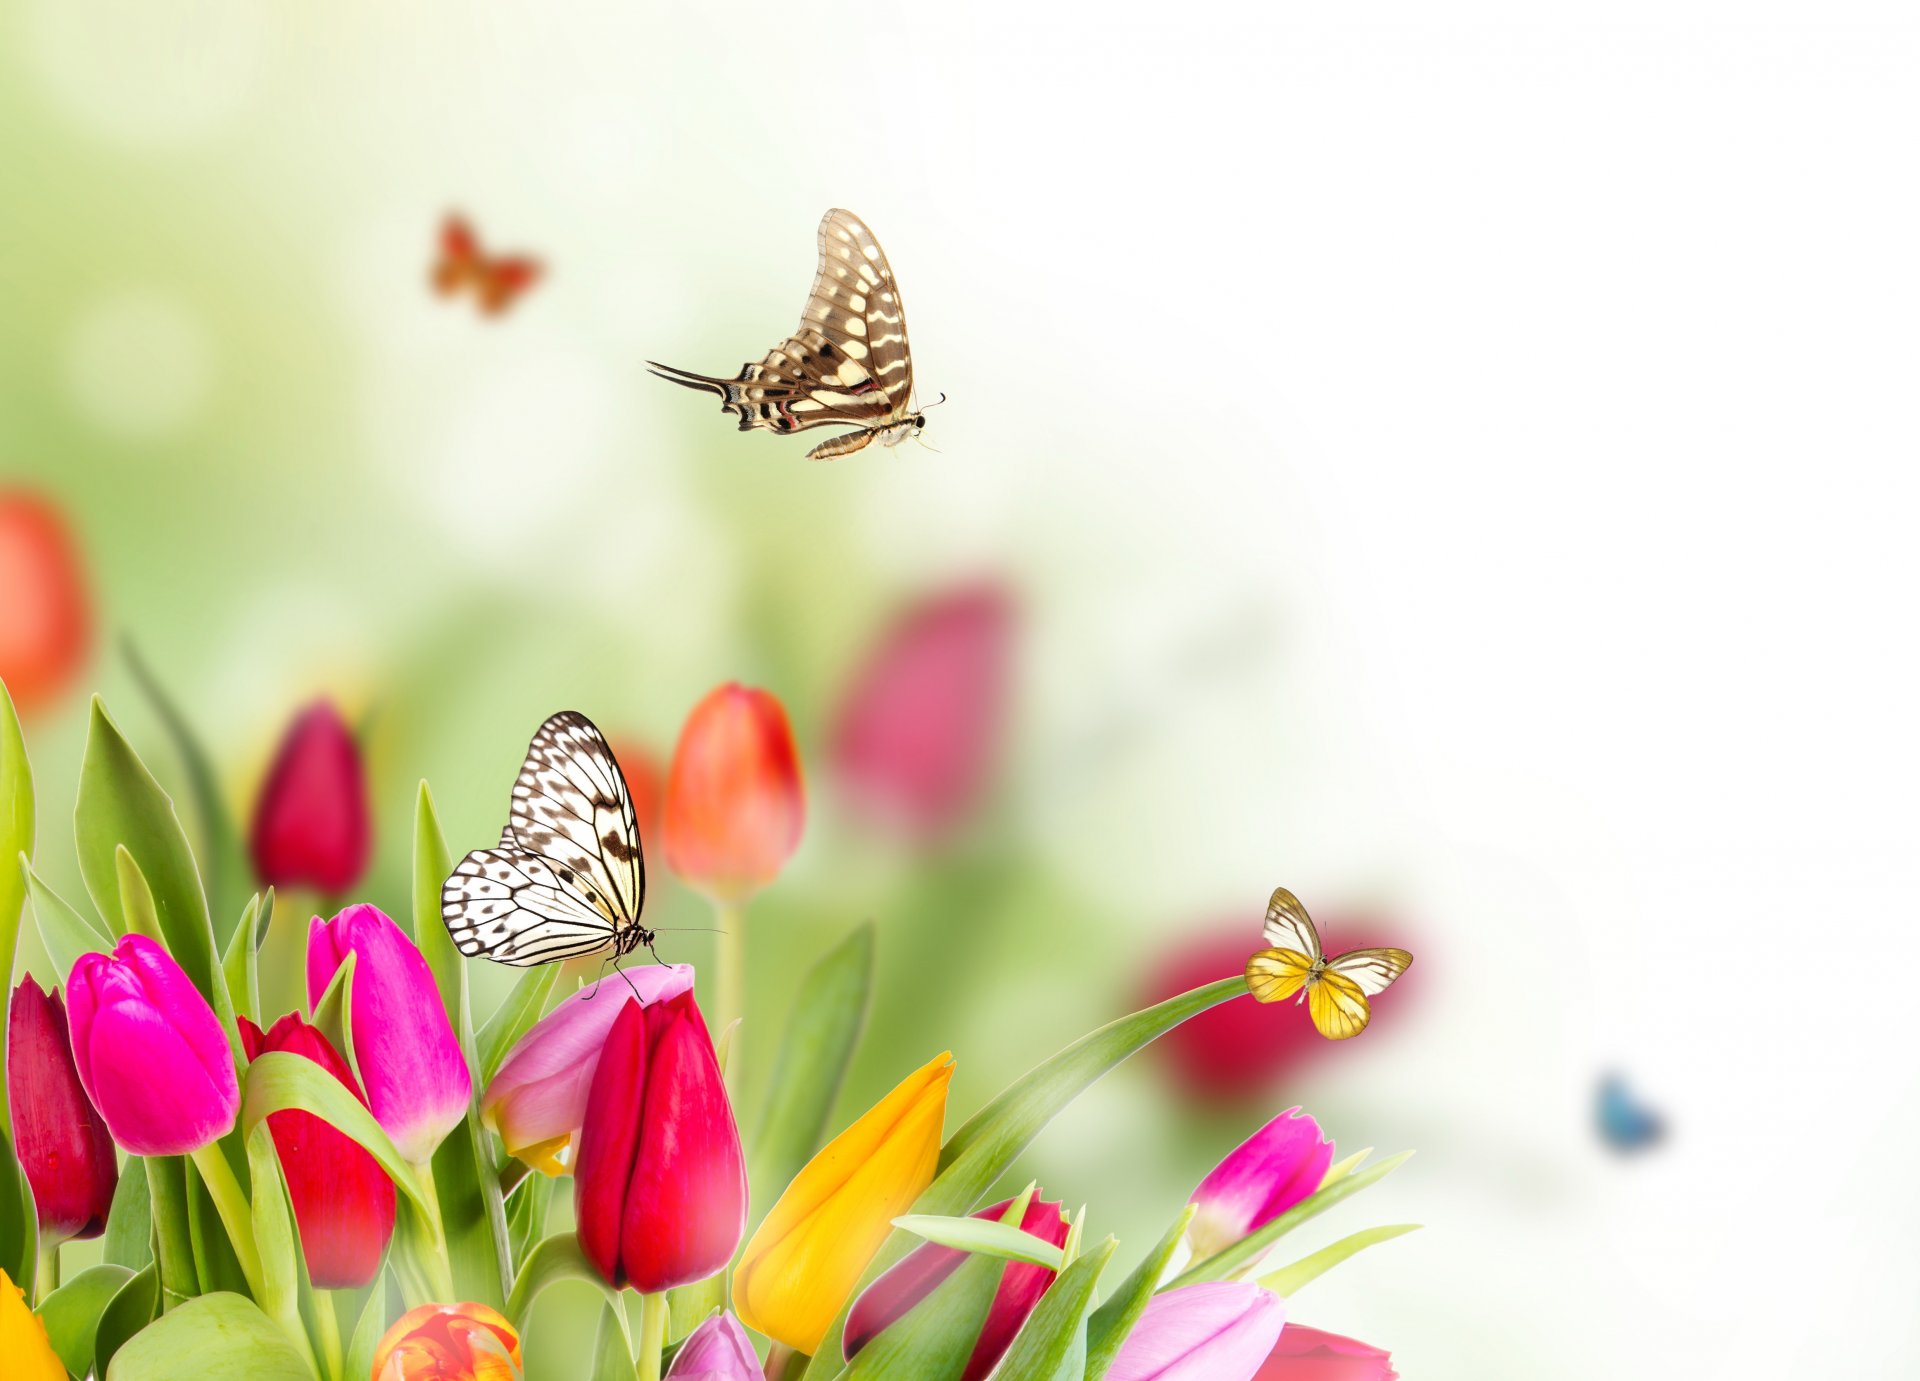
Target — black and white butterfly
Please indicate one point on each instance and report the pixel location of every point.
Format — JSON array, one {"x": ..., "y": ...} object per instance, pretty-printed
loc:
[
  {"x": 567, "y": 878},
  {"x": 846, "y": 363}
]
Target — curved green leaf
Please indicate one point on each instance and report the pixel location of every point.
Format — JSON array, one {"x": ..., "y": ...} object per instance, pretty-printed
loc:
[
  {"x": 64, "y": 932},
  {"x": 1248, "y": 1251},
  {"x": 1288, "y": 1279},
  {"x": 1052, "y": 1344},
  {"x": 215, "y": 1335},
  {"x": 279, "y": 1080},
  {"x": 19, "y": 1225},
  {"x": 133, "y": 1306},
  {"x": 129, "y": 1240},
  {"x": 984, "y": 1237},
  {"x": 1112, "y": 1321},
  {"x": 514, "y": 1017},
  {"x": 554, "y": 1260},
  {"x": 368, "y": 1331},
  {"x": 431, "y": 864},
  {"x": 613, "y": 1351},
  {"x": 16, "y": 846},
  {"x": 241, "y": 962},
  {"x": 137, "y": 913},
  {"x": 72, "y": 1313}
]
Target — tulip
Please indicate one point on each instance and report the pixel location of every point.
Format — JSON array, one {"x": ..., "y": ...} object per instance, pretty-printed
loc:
[
  {"x": 310, "y": 825},
  {"x": 646, "y": 788},
  {"x": 448, "y": 1342},
  {"x": 23, "y": 1338},
  {"x": 1259, "y": 1180},
  {"x": 921, "y": 1271},
  {"x": 44, "y": 620},
  {"x": 1219, "y": 1331},
  {"x": 416, "y": 1077},
  {"x": 735, "y": 805},
  {"x": 64, "y": 1145},
  {"x": 916, "y": 734},
  {"x": 538, "y": 1100},
  {"x": 1307, "y": 1354},
  {"x": 342, "y": 1199},
  {"x": 718, "y": 1350},
  {"x": 149, "y": 1050},
  {"x": 660, "y": 1187},
  {"x": 802, "y": 1263}
]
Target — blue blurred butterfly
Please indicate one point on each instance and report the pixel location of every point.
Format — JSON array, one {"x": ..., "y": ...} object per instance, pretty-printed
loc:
[{"x": 1625, "y": 1124}]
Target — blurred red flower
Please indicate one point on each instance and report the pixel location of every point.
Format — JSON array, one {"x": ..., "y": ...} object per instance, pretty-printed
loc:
[
  {"x": 735, "y": 803},
  {"x": 647, "y": 784},
  {"x": 311, "y": 825},
  {"x": 45, "y": 623}
]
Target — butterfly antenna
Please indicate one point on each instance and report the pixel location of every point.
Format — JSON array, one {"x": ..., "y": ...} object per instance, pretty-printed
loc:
[
  {"x": 935, "y": 403},
  {"x": 687, "y": 929}
]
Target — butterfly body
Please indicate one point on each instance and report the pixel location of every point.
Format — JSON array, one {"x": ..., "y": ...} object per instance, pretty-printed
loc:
[
  {"x": 495, "y": 280},
  {"x": 847, "y": 362},
  {"x": 1335, "y": 990}
]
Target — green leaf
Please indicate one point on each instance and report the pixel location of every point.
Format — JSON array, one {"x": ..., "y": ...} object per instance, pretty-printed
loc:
[
  {"x": 279, "y": 1080},
  {"x": 16, "y": 846},
  {"x": 72, "y": 1313},
  {"x": 985, "y": 1237},
  {"x": 215, "y": 1335},
  {"x": 64, "y": 932},
  {"x": 133, "y": 1306},
  {"x": 1248, "y": 1251},
  {"x": 431, "y": 865},
  {"x": 275, "y": 1234},
  {"x": 820, "y": 1039},
  {"x": 215, "y": 1264},
  {"x": 1052, "y": 1344},
  {"x": 178, "y": 1276},
  {"x": 1340, "y": 1169},
  {"x": 1112, "y": 1321},
  {"x": 19, "y": 1225},
  {"x": 515, "y": 1017},
  {"x": 137, "y": 913},
  {"x": 554, "y": 1260},
  {"x": 613, "y": 1351},
  {"x": 242, "y": 960},
  {"x": 527, "y": 1213},
  {"x": 1288, "y": 1279},
  {"x": 368, "y": 1331},
  {"x": 689, "y": 1305},
  {"x": 129, "y": 1240}
]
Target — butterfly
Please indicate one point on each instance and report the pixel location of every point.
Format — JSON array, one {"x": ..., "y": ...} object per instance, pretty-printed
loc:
[
  {"x": 846, "y": 364},
  {"x": 1625, "y": 1123},
  {"x": 1336, "y": 989},
  {"x": 567, "y": 877},
  {"x": 496, "y": 281}
]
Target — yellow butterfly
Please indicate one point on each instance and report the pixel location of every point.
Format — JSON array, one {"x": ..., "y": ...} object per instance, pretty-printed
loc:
[{"x": 1337, "y": 989}]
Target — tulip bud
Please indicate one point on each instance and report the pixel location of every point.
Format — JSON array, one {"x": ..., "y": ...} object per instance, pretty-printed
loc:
[
  {"x": 44, "y": 622},
  {"x": 23, "y": 1338},
  {"x": 64, "y": 1146},
  {"x": 660, "y": 1187},
  {"x": 1259, "y": 1180},
  {"x": 149, "y": 1050},
  {"x": 916, "y": 734},
  {"x": 718, "y": 1350},
  {"x": 538, "y": 1100},
  {"x": 342, "y": 1199},
  {"x": 310, "y": 825},
  {"x": 735, "y": 805},
  {"x": 448, "y": 1342},
  {"x": 922, "y": 1270},
  {"x": 416, "y": 1077},
  {"x": 1218, "y": 1331},
  {"x": 804, "y": 1260},
  {"x": 1307, "y": 1354}
]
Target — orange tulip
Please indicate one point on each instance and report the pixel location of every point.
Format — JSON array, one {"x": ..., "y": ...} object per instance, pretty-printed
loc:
[
  {"x": 448, "y": 1342},
  {"x": 735, "y": 804},
  {"x": 646, "y": 787},
  {"x": 44, "y": 620}
]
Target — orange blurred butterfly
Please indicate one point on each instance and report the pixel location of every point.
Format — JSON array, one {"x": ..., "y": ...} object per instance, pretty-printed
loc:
[
  {"x": 496, "y": 281},
  {"x": 1335, "y": 990}
]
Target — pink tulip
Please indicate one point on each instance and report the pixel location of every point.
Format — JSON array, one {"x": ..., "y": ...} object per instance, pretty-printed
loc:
[
  {"x": 538, "y": 1100},
  {"x": 660, "y": 1184},
  {"x": 150, "y": 1051},
  {"x": 1307, "y": 1354},
  {"x": 922, "y": 1270},
  {"x": 416, "y": 1077},
  {"x": 65, "y": 1148},
  {"x": 915, "y": 737},
  {"x": 1218, "y": 1331},
  {"x": 311, "y": 824},
  {"x": 1259, "y": 1180},
  {"x": 718, "y": 1350}
]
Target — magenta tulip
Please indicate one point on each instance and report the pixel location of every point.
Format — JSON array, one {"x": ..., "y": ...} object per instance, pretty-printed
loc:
[
  {"x": 1259, "y": 1180},
  {"x": 64, "y": 1145},
  {"x": 538, "y": 1100},
  {"x": 150, "y": 1052},
  {"x": 922, "y": 1270},
  {"x": 660, "y": 1184},
  {"x": 718, "y": 1350},
  {"x": 1307, "y": 1354},
  {"x": 1219, "y": 1331},
  {"x": 342, "y": 1199},
  {"x": 311, "y": 825},
  {"x": 915, "y": 737},
  {"x": 417, "y": 1082}
]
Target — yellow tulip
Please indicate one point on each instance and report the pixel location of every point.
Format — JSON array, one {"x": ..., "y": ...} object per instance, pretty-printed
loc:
[
  {"x": 804, "y": 1261},
  {"x": 23, "y": 1338}
]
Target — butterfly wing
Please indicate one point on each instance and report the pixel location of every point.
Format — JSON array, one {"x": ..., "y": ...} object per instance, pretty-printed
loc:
[
  {"x": 502, "y": 281},
  {"x": 570, "y": 806},
  {"x": 1273, "y": 974},
  {"x": 459, "y": 255},
  {"x": 1338, "y": 1006},
  {"x": 1372, "y": 970},
  {"x": 511, "y": 906},
  {"x": 1288, "y": 927}
]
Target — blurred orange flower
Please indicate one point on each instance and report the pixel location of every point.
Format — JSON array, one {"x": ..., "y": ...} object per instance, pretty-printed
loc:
[
  {"x": 735, "y": 803},
  {"x": 44, "y": 619},
  {"x": 647, "y": 786},
  {"x": 448, "y": 1342}
]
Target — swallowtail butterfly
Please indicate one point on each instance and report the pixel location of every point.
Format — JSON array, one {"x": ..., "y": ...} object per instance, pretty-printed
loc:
[{"x": 845, "y": 364}]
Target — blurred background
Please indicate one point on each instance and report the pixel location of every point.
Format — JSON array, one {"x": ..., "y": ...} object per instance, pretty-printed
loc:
[{"x": 1456, "y": 465}]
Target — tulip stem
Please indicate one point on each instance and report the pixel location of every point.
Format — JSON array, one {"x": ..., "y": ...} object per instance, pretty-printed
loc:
[
  {"x": 329, "y": 1322},
  {"x": 231, "y": 1203},
  {"x": 431, "y": 1245},
  {"x": 653, "y": 1336},
  {"x": 730, "y": 995},
  {"x": 48, "y": 1278}
]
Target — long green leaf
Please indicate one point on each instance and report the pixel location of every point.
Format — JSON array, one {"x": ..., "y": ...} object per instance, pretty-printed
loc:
[
  {"x": 985, "y": 1237},
  {"x": 129, "y": 1240},
  {"x": 72, "y": 1313},
  {"x": 613, "y": 1350},
  {"x": 274, "y": 1232},
  {"x": 138, "y": 915},
  {"x": 19, "y": 1224},
  {"x": 242, "y": 959},
  {"x": 177, "y": 1277},
  {"x": 554, "y": 1260},
  {"x": 431, "y": 865},
  {"x": 1112, "y": 1321},
  {"x": 133, "y": 1306},
  {"x": 216, "y": 1335},
  {"x": 279, "y": 1080},
  {"x": 1052, "y": 1344},
  {"x": 64, "y": 932},
  {"x": 1288, "y": 1279},
  {"x": 368, "y": 1331},
  {"x": 514, "y": 1017},
  {"x": 16, "y": 845},
  {"x": 527, "y": 1214}
]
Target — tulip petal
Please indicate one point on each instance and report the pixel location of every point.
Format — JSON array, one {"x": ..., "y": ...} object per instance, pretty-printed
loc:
[
  {"x": 1263, "y": 1177},
  {"x": 735, "y": 804},
  {"x": 718, "y": 1350},
  {"x": 610, "y": 1143},
  {"x": 63, "y": 1144},
  {"x": 1218, "y": 1331}
]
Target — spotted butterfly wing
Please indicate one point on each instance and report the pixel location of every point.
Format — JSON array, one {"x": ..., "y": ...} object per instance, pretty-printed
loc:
[
  {"x": 567, "y": 878},
  {"x": 846, "y": 363}
]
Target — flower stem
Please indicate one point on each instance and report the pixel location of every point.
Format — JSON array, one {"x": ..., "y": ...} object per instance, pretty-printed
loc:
[
  {"x": 432, "y": 1273},
  {"x": 235, "y": 1213},
  {"x": 47, "y": 1280},
  {"x": 329, "y": 1322},
  {"x": 730, "y": 995},
  {"x": 653, "y": 1336}
]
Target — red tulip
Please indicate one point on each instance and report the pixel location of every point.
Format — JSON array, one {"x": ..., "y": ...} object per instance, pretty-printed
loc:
[
  {"x": 647, "y": 786},
  {"x": 311, "y": 824},
  {"x": 64, "y": 1145},
  {"x": 44, "y": 619},
  {"x": 342, "y": 1199},
  {"x": 917, "y": 732},
  {"x": 1307, "y": 1354},
  {"x": 660, "y": 1183},
  {"x": 735, "y": 805},
  {"x": 920, "y": 1272}
]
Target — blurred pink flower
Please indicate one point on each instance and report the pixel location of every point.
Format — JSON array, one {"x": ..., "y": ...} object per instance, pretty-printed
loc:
[
  {"x": 1217, "y": 1331},
  {"x": 311, "y": 823},
  {"x": 718, "y": 1350},
  {"x": 1307, "y": 1354},
  {"x": 915, "y": 737},
  {"x": 1259, "y": 1180}
]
